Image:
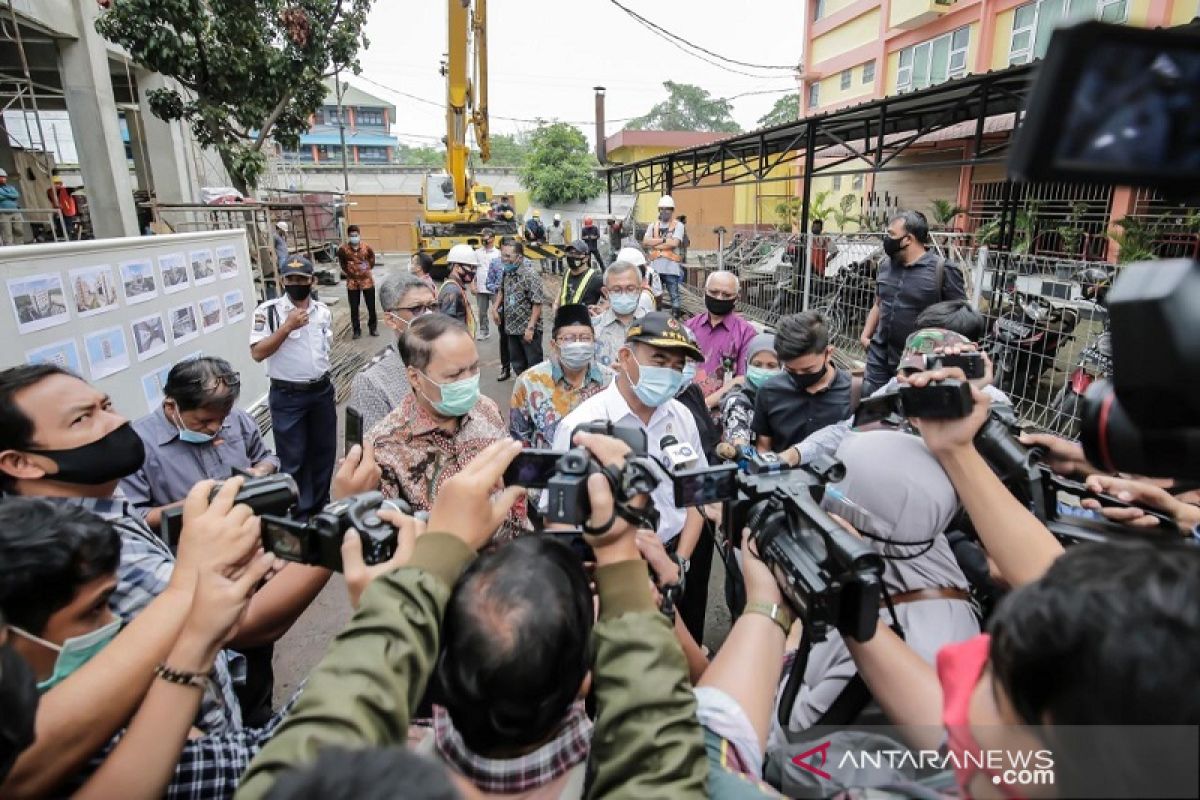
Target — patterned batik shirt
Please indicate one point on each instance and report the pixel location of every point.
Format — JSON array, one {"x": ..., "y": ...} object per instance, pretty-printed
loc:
[
  {"x": 737, "y": 415},
  {"x": 542, "y": 396},
  {"x": 357, "y": 263},
  {"x": 522, "y": 291},
  {"x": 417, "y": 457}
]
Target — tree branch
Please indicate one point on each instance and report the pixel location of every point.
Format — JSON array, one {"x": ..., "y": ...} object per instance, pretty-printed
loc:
[{"x": 269, "y": 122}]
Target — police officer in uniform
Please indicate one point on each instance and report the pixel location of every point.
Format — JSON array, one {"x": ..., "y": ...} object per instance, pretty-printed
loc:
[{"x": 294, "y": 334}]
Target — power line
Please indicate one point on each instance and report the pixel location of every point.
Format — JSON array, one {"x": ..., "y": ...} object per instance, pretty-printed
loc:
[{"x": 675, "y": 38}]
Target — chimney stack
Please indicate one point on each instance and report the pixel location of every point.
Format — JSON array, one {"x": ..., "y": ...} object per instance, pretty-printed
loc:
[{"x": 601, "y": 148}]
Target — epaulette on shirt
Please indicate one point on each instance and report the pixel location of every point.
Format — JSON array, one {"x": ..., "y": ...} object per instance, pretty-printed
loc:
[{"x": 382, "y": 354}]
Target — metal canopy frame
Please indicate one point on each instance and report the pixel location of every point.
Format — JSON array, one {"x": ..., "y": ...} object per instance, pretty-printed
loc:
[{"x": 868, "y": 137}]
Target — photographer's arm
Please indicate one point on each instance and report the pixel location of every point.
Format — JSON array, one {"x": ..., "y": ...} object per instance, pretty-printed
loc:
[
  {"x": 277, "y": 605},
  {"x": 1186, "y": 515},
  {"x": 365, "y": 688},
  {"x": 902, "y": 683},
  {"x": 689, "y": 537},
  {"x": 1020, "y": 545}
]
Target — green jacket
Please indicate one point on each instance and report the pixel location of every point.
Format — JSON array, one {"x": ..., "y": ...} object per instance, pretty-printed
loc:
[{"x": 646, "y": 742}]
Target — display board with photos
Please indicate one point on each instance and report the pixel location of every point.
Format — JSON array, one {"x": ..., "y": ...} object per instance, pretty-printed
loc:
[{"x": 121, "y": 312}]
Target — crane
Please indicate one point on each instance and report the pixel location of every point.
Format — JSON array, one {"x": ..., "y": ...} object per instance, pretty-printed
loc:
[{"x": 457, "y": 208}]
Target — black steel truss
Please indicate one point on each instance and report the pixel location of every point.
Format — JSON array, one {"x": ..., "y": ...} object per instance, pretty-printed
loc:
[{"x": 868, "y": 137}]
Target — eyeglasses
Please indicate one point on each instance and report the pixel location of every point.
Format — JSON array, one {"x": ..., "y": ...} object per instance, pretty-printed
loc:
[
  {"x": 626, "y": 290},
  {"x": 582, "y": 338},
  {"x": 418, "y": 310}
]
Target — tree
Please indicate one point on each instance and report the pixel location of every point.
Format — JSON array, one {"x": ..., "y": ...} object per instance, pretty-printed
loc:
[
  {"x": 844, "y": 214},
  {"x": 509, "y": 151},
  {"x": 687, "y": 108},
  {"x": 420, "y": 156},
  {"x": 786, "y": 109},
  {"x": 560, "y": 167},
  {"x": 789, "y": 210},
  {"x": 944, "y": 212},
  {"x": 249, "y": 70}
]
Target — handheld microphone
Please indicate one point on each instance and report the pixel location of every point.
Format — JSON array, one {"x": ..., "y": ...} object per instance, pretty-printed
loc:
[{"x": 679, "y": 456}]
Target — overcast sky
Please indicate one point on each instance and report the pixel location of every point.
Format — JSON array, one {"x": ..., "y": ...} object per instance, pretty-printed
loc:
[{"x": 546, "y": 55}]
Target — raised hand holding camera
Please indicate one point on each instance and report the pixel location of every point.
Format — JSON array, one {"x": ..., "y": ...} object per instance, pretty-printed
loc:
[
  {"x": 216, "y": 533},
  {"x": 359, "y": 573},
  {"x": 465, "y": 506}
]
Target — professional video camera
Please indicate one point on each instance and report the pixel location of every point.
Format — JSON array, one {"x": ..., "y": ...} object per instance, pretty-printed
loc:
[
  {"x": 1116, "y": 104},
  {"x": 948, "y": 399},
  {"x": 317, "y": 541}
]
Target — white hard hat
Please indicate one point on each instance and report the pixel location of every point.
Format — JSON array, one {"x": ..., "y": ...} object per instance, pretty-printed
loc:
[
  {"x": 558, "y": 217},
  {"x": 283, "y": 226},
  {"x": 3, "y": 174},
  {"x": 631, "y": 255},
  {"x": 666, "y": 201},
  {"x": 462, "y": 254}
]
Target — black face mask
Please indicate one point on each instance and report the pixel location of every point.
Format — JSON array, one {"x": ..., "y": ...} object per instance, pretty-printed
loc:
[
  {"x": 717, "y": 306},
  {"x": 115, "y": 455},
  {"x": 298, "y": 291},
  {"x": 808, "y": 380},
  {"x": 19, "y": 699},
  {"x": 892, "y": 246},
  {"x": 577, "y": 264}
]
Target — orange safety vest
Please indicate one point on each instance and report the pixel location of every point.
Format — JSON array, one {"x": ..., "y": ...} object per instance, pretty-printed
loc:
[{"x": 667, "y": 253}]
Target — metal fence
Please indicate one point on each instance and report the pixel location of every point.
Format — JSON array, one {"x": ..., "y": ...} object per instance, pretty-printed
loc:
[{"x": 1046, "y": 323}]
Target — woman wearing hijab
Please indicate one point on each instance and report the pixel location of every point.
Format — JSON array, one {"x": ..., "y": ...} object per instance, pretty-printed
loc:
[
  {"x": 737, "y": 409},
  {"x": 896, "y": 494}
]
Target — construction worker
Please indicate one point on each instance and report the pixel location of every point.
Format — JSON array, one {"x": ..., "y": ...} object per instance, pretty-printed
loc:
[
  {"x": 293, "y": 334},
  {"x": 10, "y": 216},
  {"x": 60, "y": 197},
  {"x": 591, "y": 235},
  {"x": 583, "y": 282},
  {"x": 663, "y": 239},
  {"x": 556, "y": 235},
  {"x": 534, "y": 230},
  {"x": 453, "y": 279}
]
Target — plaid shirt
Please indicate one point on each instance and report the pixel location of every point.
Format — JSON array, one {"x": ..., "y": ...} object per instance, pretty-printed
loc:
[
  {"x": 145, "y": 569},
  {"x": 417, "y": 457},
  {"x": 569, "y": 747},
  {"x": 542, "y": 397}
]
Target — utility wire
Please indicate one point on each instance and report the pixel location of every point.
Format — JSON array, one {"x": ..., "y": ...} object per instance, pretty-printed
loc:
[{"x": 674, "y": 36}]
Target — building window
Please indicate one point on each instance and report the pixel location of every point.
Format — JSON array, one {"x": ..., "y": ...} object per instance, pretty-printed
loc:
[
  {"x": 858, "y": 182},
  {"x": 814, "y": 94},
  {"x": 934, "y": 61},
  {"x": 369, "y": 117},
  {"x": 845, "y": 79},
  {"x": 329, "y": 152},
  {"x": 868, "y": 72},
  {"x": 837, "y": 183},
  {"x": 328, "y": 115},
  {"x": 373, "y": 154},
  {"x": 1033, "y": 23},
  {"x": 818, "y": 9}
]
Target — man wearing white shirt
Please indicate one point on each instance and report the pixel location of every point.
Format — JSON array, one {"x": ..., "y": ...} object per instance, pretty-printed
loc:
[
  {"x": 489, "y": 259},
  {"x": 649, "y": 373}
]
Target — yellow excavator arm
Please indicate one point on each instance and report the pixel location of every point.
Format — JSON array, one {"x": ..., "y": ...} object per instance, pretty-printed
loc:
[{"x": 466, "y": 94}]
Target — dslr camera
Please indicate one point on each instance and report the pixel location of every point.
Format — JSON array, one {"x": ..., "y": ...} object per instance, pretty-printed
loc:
[
  {"x": 567, "y": 500},
  {"x": 270, "y": 494}
]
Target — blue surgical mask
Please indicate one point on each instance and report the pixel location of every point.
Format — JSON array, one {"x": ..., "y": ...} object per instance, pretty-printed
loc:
[
  {"x": 74, "y": 652},
  {"x": 190, "y": 436},
  {"x": 458, "y": 398},
  {"x": 511, "y": 267},
  {"x": 576, "y": 355},
  {"x": 657, "y": 385},
  {"x": 757, "y": 376},
  {"x": 623, "y": 303},
  {"x": 689, "y": 372},
  {"x": 354, "y": 240}
]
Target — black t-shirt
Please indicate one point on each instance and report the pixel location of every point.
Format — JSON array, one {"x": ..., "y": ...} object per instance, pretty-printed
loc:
[
  {"x": 710, "y": 435},
  {"x": 591, "y": 290},
  {"x": 788, "y": 415}
]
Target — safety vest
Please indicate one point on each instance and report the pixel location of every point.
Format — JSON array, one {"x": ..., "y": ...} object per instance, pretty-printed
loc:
[
  {"x": 669, "y": 255},
  {"x": 580, "y": 288},
  {"x": 472, "y": 325}
]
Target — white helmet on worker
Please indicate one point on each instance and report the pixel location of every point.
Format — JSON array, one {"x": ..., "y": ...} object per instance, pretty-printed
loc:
[
  {"x": 558, "y": 217},
  {"x": 666, "y": 201},
  {"x": 462, "y": 254},
  {"x": 283, "y": 226},
  {"x": 631, "y": 255},
  {"x": 3, "y": 174}
]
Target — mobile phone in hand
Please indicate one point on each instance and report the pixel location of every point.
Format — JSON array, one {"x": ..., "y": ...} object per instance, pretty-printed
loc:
[{"x": 354, "y": 428}]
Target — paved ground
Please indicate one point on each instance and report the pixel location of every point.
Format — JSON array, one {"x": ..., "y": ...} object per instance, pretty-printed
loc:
[{"x": 298, "y": 651}]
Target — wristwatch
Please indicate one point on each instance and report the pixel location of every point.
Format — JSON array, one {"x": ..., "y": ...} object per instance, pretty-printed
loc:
[
  {"x": 684, "y": 563},
  {"x": 774, "y": 612}
]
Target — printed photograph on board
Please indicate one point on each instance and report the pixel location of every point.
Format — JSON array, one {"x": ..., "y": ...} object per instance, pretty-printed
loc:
[
  {"x": 235, "y": 307},
  {"x": 227, "y": 261},
  {"x": 65, "y": 354},
  {"x": 173, "y": 267},
  {"x": 137, "y": 278},
  {"x": 210, "y": 313},
  {"x": 107, "y": 352},
  {"x": 184, "y": 326},
  {"x": 94, "y": 290},
  {"x": 38, "y": 301},
  {"x": 203, "y": 269},
  {"x": 149, "y": 336}
]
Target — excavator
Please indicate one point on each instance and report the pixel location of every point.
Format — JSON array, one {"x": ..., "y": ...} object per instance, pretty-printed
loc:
[{"x": 456, "y": 207}]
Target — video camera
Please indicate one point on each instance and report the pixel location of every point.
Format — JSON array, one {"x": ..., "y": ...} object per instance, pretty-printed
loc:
[
  {"x": 317, "y": 541},
  {"x": 948, "y": 399},
  {"x": 1116, "y": 104}
]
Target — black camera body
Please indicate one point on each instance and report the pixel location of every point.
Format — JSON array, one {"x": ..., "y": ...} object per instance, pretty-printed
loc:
[
  {"x": 567, "y": 499},
  {"x": 318, "y": 542},
  {"x": 948, "y": 399},
  {"x": 270, "y": 494}
]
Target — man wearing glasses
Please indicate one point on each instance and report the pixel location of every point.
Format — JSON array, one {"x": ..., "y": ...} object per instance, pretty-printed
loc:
[
  {"x": 622, "y": 289},
  {"x": 547, "y": 392},
  {"x": 382, "y": 384}
]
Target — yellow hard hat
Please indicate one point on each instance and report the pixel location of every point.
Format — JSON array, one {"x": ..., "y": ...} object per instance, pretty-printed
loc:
[{"x": 537, "y": 213}]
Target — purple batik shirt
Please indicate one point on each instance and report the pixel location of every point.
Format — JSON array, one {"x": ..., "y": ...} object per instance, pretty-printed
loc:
[{"x": 727, "y": 340}]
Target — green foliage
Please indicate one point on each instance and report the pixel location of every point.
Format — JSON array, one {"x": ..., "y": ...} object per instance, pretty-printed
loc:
[
  {"x": 420, "y": 156},
  {"x": 786, "y": 109},
  {"x": 844, "y": 214},
  {"x": 1071, "y": 232},
  {"x": 509, "y": 151},
  {"x": 687, "y": 108},
  {"x": 1135, "y": 239},
  {"x": 560, "y": 167},
  {"x": 818, "y": 208},
  {"x": 944, "y": 212},
  {"x": 249, "y": 69}
]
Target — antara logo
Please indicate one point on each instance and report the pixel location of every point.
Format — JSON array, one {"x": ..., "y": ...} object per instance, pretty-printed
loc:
[{"x": 819, "y": 755}]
